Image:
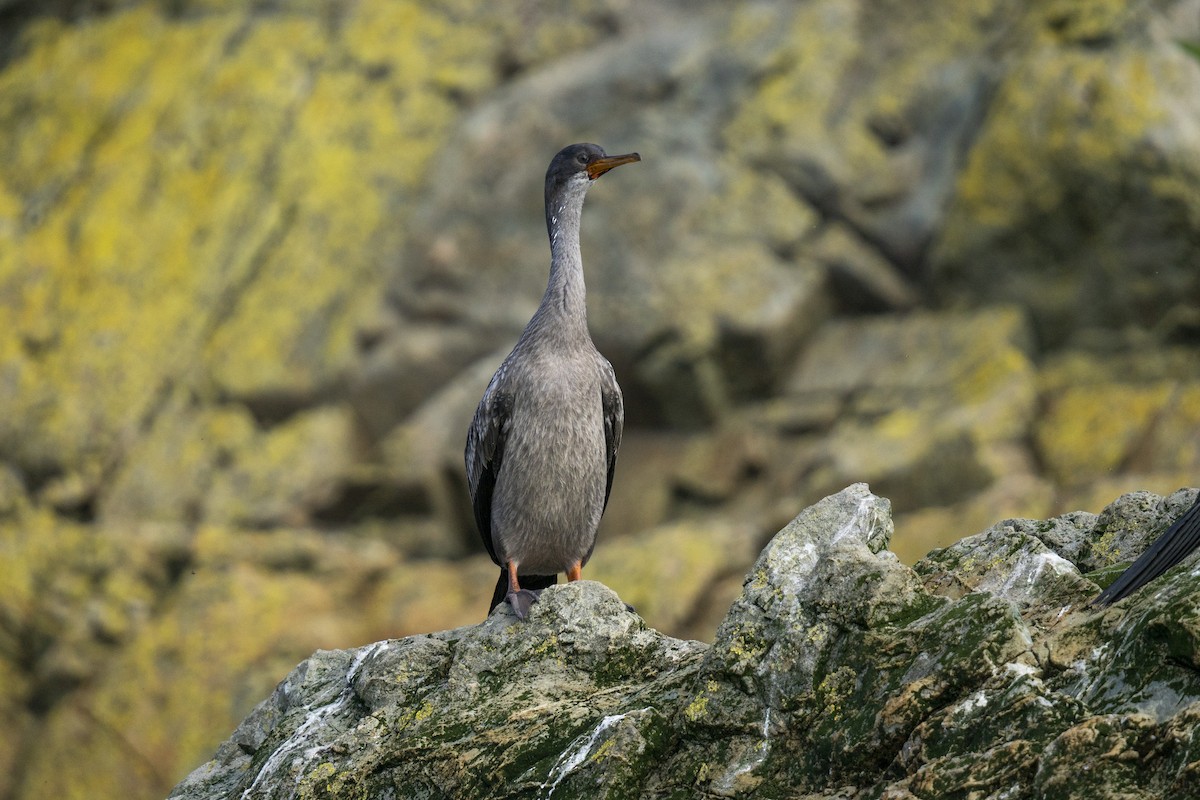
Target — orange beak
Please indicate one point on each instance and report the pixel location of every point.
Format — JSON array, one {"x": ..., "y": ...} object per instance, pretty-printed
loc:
[{"x": 602, "y": 165}]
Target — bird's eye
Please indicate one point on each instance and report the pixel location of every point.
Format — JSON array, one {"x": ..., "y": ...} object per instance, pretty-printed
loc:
[{"x": 582, "y": 158}]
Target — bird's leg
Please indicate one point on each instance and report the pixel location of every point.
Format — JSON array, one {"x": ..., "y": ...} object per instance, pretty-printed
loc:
[{"x": 521, "y": 600}]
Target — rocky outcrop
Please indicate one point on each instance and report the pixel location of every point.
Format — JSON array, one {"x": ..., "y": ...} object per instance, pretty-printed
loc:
[
  {"x": 257, "y": 261},
  {"x": 838, "y": 672}
]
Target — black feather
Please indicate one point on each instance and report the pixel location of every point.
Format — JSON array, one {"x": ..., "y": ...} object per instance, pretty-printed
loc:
[
  {"x": 485, "y": 444},
  {"x": 614, "y": 420}
]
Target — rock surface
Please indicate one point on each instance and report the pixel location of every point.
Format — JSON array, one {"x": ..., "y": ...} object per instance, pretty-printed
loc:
[
  {"x": 837, "y": 673},
  {"x": 256, "y": 261}
]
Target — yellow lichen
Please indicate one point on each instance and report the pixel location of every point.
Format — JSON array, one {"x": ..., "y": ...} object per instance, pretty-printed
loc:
[
  {"x": 602, "y": 750},
  {"x": 833, "y": 691},
  {"x": 1034, "y": 120},
  {"x": 424, "y": 712},
  {"x": 240, "y": 225},
  {"x": 697, "y": 708},
  {"x": 1090, "y": 432},
  {"x": 817, "y": 635},
  {"x": 317, "y": 782}
]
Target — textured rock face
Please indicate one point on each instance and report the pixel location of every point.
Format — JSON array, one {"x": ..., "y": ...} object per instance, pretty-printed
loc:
[
  {"x": 838, "y": 672},
  {"x": 485, "y": 710},
  {"x": 1012, "y": 224},
  {"x": 257, "y": 261}
]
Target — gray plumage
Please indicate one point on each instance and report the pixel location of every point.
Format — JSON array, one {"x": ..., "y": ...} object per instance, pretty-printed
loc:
[{"x": 543, "y": 443}]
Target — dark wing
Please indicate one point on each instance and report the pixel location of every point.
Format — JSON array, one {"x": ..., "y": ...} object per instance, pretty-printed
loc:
[
  {"x": 485, "y": 454},
  {"x": 613, "y": 409},
  {"x": 1165, "y": 552},
  {"x": 614, "y": 421}
]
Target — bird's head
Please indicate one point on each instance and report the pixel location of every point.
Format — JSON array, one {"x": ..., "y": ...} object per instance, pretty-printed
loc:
[{"x": 577, "y": 165}]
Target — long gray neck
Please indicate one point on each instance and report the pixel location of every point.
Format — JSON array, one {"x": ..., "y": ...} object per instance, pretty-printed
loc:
[{"x": 565, "y": 304}]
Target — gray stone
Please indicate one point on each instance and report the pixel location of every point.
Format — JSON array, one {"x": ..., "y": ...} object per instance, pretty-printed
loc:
[
  {"x": 1028, "y": 218},
  {"x": 1130, "y": 523},
  {"x": 497, "y": 709},
  {"x": 836, "y": 674},
  {"x": 1007, "y": 562},
  {"x": 923, "y": 400}
]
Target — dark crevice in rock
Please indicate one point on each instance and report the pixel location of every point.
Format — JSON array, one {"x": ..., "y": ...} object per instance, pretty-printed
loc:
[
  {"x": 856, "y": 297},
  {"x": 372, "y": 500},
  {"x": 48, "y": 690},
  {"x": 37, "y": 478},
  {"x": 177, "y": 564},
  {"x": 272, "y": 410},
  {"x": 15, "y": 15},
  {"x": 81, "y": 510}
]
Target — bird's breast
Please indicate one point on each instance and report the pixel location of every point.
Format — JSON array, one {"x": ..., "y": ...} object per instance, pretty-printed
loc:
[{"x": 550, "y": 491}]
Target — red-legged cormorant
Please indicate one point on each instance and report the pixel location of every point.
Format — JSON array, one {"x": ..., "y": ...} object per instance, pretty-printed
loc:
[{"x": 543, "y": 443}]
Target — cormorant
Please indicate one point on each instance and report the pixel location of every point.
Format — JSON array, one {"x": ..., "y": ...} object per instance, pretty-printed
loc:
[{"x": 543, "y": 444}]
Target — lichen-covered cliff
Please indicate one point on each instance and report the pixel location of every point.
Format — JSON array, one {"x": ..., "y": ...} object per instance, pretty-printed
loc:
[{"x": 258, "y": 259}]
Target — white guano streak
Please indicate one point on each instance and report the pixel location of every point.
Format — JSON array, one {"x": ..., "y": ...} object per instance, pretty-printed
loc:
[
  {"x": 567, "y": 763},
  {"x": 315, "y": 719}
]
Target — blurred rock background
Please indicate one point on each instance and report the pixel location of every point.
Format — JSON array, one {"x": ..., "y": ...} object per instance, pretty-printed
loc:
[{"x": 258, "y": 260}]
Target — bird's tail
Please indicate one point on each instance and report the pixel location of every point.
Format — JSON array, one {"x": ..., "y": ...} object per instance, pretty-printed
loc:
[
  {"x": 1169, "y": 549},
  {"x": 533, "y": 582}
]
